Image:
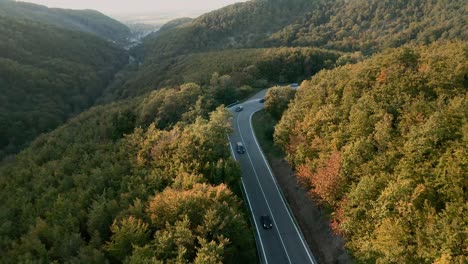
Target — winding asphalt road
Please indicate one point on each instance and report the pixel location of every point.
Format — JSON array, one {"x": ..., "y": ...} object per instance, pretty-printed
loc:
[{"x": 284, "y": 243}]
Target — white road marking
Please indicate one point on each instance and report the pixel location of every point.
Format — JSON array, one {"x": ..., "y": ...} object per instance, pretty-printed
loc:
[
  {"x": 255, "y": 222},
  {"x": 232, "y": 149}
]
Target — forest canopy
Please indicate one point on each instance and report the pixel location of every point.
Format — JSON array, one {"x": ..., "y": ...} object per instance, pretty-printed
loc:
[
  {"x": 383, "y": 143},
  {"x": 370, "y": 26},
  {"x": 113, "y": 192}
]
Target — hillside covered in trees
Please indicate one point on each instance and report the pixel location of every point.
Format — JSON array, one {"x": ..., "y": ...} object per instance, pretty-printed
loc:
[
  {"x": 239, "y": 70},
  {"x": 372, "y": 25},
  {"x": 383, "y": 143},
  {"x": 242, "y": 25},
  {"x": 47, "y": 75},
  {"x": 88, "y": 21},
  {"x": 162, "y": 192}
]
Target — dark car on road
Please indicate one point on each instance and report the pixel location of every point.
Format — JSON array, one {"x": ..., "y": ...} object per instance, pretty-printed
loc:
[
  {"x": 239, "y": 108},
  {"x": 261, "y": 100},
  {"x": 240, "y": 148},
  {"x": 266, "y": 221}
]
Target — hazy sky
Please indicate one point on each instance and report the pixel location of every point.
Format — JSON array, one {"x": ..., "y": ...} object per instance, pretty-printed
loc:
[{"x": 137, "y": 6}]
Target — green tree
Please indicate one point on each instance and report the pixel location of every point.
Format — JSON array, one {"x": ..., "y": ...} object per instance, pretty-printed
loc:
[
  {"x": 210, "y": 252},
  {"x": 277, "y": 100},
  {"x": 126, "y": 234}
]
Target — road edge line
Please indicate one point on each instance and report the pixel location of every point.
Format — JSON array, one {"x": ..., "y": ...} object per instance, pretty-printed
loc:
[{"x": 252, "y": 219}]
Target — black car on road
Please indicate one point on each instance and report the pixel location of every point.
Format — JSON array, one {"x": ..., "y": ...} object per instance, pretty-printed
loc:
[
  {"x": 240, "y": 148},
  {"x": 239, "y": 108},
  {"x": 266, "y": 221}
]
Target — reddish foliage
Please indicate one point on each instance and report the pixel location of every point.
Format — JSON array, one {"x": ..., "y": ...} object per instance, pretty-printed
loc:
[
  {"x": 338, "y": 217},
  {"x": 382, "y": 77},
  {"x": 304, "y": 174},
  {"x": 326, "y": 181}
]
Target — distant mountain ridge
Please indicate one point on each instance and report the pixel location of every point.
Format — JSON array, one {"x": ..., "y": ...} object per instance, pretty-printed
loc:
[
  {"x": 241, "y": 25},
  {"x": 346, "y": 25},
  {"x": 89, "y": 21}
]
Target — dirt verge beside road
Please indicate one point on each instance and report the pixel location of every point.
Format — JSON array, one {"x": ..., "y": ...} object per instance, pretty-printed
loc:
[{"x": 327, "y": 247}]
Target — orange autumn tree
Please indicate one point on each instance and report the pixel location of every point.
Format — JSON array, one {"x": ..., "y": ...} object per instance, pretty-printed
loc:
[{"x": 325, "y": 181}]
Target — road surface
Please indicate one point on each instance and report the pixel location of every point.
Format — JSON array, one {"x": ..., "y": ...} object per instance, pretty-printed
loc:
[{"x": 284, "y": 243}]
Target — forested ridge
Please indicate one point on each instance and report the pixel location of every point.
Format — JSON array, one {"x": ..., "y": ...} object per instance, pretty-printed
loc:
[
  {"x": 370, "y": 26},
  {"x": 383, "y": 144},
  {"x": 242, "y": 25},
  {"x": 47, "y": 75},
  {"x": 88, "y": 21}
]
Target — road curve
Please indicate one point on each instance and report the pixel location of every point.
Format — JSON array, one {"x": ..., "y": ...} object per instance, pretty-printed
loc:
[{"x": 284, "y": 243}]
